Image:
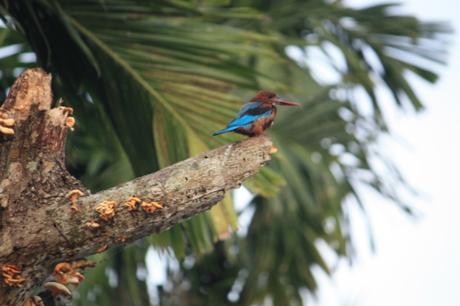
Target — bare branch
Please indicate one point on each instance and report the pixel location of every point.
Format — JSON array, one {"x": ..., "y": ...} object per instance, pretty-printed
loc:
[{"x": 179, "y": 192}]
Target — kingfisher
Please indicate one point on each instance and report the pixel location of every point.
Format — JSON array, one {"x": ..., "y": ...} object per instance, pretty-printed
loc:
[{"x": 257, "y": 115}]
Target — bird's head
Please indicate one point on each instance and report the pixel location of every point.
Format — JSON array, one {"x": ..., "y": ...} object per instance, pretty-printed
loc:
[{"x": 266, "y": 96}]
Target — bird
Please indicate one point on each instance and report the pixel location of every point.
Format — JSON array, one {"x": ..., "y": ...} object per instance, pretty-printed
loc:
[{"x": 257, "y": 115}]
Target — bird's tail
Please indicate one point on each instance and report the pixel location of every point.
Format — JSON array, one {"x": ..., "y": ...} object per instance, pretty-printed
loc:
[{"x": 229, "y": 129}]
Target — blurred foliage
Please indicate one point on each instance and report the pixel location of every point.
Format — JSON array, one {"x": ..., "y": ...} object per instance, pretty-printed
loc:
[{"x": 151, "y": 80}]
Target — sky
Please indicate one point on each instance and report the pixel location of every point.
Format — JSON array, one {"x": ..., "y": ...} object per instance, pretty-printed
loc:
[{"x": 416, "y": 261}]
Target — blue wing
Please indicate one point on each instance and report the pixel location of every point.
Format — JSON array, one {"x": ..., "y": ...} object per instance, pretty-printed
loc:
[
  {"x": 229, "y": 129},
  {"x": 244, "y": 120},
  {"x": 247, "y": 107},
  {"x": 248, "y": 119}
]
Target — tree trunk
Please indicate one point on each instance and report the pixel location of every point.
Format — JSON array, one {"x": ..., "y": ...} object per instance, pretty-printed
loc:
[{"x": 39, "y": 225}]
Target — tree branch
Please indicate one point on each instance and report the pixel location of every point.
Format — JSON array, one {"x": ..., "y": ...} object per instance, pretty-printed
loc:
[
  {"x": 183, "y": 190},
  {"x": 43, "y": 222}
]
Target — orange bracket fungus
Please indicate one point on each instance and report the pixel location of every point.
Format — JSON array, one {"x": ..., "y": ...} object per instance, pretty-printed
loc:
[
  {"x": 150, "y": 207},
  {"x": 131, "y": 203},
  {"x": 73, "y": 196},
  {"x": 12, "y": 275},
  {"x": 106, "y": 209}
]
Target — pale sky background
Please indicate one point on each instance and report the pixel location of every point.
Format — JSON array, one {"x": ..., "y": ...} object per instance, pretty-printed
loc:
[{"x": 417, "y": 262}]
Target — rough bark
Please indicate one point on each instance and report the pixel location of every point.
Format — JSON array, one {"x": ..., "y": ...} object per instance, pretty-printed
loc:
[{"x": 39, "y": 228}]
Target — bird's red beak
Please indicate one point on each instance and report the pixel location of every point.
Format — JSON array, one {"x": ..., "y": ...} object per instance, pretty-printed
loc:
[{"x": 282, "y": 101}]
